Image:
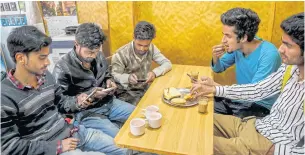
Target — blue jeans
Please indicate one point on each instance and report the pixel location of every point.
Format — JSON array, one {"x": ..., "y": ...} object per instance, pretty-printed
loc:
[
  {"x": 120, "y": 111},
  {"x": 94, "y": 142},
  {"x": 80, "y": 152}
]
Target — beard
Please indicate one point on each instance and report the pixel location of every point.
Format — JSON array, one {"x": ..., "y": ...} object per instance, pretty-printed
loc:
[
  {"x": 36, "y": 73},
  {"x": 86, "y": 60},
  {"x": 141, "y": 52}
]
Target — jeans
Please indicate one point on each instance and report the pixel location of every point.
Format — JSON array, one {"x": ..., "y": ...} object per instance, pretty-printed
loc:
[
  {"x": 120, "y": 111},
  {"x": 96, "y": 141},
  {"x": 80, "y": 152}
]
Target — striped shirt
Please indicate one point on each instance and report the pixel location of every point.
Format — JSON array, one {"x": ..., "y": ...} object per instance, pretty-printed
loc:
[{"x": 284, "y": 126}]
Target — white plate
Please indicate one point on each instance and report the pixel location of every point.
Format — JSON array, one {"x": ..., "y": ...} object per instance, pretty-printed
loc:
[{"x": 183, "y": 91}]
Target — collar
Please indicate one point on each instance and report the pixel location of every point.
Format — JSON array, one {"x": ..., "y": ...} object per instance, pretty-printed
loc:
[{"x": 19, "y": 85}]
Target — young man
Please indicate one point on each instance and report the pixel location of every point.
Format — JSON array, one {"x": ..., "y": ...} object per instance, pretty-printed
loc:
[
  {"x": 282, "y": 130},
  {"x": 253, "y": 57},
  {"x": 31, "y": 99},
  {"x": 85, "y": 69},
  {"x": 131, "y": 64}
]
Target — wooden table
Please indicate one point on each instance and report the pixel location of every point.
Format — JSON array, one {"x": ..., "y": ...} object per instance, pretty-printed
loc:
[{"x": 183, "y": 130}]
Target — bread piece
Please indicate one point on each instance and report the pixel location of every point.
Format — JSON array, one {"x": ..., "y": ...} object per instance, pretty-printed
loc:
[
  {"x": 170, "y": 93},
  {"x": 188, "y": 97},
  {"x": 178, "y": 101}
]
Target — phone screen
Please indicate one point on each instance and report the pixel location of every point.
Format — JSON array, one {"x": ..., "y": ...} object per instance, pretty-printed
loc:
[
  {"x": 141, "y": 80},
  {"x": 108, "y": 89}
]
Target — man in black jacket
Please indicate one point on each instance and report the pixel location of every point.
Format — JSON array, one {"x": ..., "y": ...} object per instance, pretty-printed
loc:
[
  {"x": 85, "y": 69},
  {"x": 30, "y": 104}
]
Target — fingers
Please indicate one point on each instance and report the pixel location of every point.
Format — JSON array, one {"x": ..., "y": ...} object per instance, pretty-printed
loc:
[
  {"x": 218, "y": 46},
  {"x": 100, "y": 93},
  {"x": 72, "y": 147},
  {"x": 108, "y": 84},
  {"x": 99, "y": 89},
  {"x": 195, "y": 88},
  {"x": 219, "y": 54},
  {"x": 74, "y": 140},
  {"x": 113, "y": 84},
  {"x": 149, "y": 77},
  {"x": 73, "y": 143},
  {"x": 86, "y": 104},
  {"x": 218, "y": 50},
  {"x": 90, "y": 99},
  {"x": 207, "y": 81},
  {"x": 199, "y": 94},
  {"x": 133, "y": 79},
  {"x": 69, "y": 144},
  {"x": 81, "y": 98},
  {"x": 204, "y": 78}
]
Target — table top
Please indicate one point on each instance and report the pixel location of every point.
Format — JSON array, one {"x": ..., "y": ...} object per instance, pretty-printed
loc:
[{"x": 183, "y": 130}]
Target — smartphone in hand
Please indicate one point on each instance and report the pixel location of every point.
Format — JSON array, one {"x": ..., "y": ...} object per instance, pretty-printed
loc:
[
  {"x": 141, "y": 80},
  {"x": 91, "y": 94},
  {"x": 108, "y": 89}
]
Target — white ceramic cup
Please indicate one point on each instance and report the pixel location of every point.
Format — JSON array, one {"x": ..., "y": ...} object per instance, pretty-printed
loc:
[
  {"x": 150, "y": 109},
  {"x": 137, "y": 126},
  {"x": 154, "y": 119}
]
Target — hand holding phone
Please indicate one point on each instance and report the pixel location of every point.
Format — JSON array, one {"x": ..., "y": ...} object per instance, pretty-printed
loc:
[
  {"x": 101, "y": 93},
  {"x": 90, "y": 95},
  {"x": 141, "y": 80},
  {"x": 108, "y": 89},
  {"x": 132, "y": 79},
  {"x": 83, "y": 101},
  {"x": 150, "y": 77}
]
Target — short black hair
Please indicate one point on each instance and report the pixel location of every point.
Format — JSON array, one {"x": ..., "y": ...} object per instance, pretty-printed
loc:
[
  {"x": 26, "y": 39},
  {"x": 294, "y": 27},
  {"x": 144, "y": 31},
  {"x": 245, "y": 21},
  {"x": 90, "y": 35}
]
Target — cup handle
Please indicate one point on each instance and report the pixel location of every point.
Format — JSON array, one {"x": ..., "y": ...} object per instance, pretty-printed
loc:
[
  {"x": 146, "y": 122},
  {"x": 143, "y": 113}
]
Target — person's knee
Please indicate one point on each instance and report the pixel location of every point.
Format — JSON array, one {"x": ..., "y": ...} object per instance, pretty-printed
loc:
[
  {"x": 124, "y": 105},
  {"x": 101, "y": 142}
]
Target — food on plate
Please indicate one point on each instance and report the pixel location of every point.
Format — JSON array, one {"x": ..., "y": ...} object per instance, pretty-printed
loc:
[
  {"x": 170, "y": 93},
  {"x": 188, "y": 97},
  {"x": 178, "y": 101}
]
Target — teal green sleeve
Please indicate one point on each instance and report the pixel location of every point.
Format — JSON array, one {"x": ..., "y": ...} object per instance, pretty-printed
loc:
[{"x": 226, "y": 61}]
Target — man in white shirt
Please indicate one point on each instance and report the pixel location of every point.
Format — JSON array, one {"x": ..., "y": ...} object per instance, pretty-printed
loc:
[{"x": 281, "y": 131}]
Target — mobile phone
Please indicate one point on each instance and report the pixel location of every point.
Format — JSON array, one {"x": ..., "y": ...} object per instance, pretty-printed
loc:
[
  {"x": 90, "y": 95},
  {"x": 108, "y": 89},
  {"x": 141, "y": 80}
]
